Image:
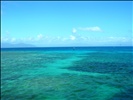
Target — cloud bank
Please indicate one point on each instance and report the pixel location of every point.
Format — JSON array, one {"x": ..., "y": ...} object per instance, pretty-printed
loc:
[
  {"x": 72, "y": 37},
  {"x": 93, "y": 29},
  {"x": 74, "y": 30}
]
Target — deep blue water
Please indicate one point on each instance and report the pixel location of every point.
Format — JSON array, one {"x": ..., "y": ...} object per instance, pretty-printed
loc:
[{"x": 67, "y": 73}]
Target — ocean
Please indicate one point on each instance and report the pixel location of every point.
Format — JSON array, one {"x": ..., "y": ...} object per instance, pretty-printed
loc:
[{"x": 67, "y": 73}]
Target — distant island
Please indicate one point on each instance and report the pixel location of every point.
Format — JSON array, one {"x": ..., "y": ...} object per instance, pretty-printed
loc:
[{"x": 11, "y": 45}]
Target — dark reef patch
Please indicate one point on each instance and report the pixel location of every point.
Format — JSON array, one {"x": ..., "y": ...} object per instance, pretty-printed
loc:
[{"x": 104, "y": 63}]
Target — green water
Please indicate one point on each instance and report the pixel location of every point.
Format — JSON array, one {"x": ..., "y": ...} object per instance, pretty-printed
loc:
[{"x": 62, "y": 75}]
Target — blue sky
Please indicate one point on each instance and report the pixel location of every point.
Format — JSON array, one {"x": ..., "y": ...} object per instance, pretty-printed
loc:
[{"x": 74, "y": 23}]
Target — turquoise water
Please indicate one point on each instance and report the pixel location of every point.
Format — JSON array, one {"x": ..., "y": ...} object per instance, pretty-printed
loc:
[{"x": 81, "y": 73}]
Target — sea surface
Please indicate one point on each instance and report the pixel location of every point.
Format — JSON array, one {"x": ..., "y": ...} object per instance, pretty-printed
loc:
[{"x": 67, "y": 73}]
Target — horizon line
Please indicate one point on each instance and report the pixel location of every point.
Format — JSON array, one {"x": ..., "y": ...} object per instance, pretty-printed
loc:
[{"x": 63, "y": 46}]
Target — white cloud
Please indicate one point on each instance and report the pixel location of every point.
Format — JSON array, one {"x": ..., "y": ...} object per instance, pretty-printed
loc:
[
  {"x": 6, "y": 39},
  {"x": 74, "y": 30},
  {"x": 122, "y": 39},
  {"x": 40, "y": 36},
  {"x": 30, "y": 39},
  {"x": 83, "y": 40},
  {"x": 94, "y": 29},
  {"x": 13, "y": 39},
  {"x": 3, "y": 39},
  {"x": 72, "y": 37},
  {"x": 37, "y": 38},
  {"x": 58, "y": 37}
]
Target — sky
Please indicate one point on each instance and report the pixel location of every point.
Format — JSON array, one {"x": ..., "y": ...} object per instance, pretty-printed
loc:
[{"x": 67, "y": 23}]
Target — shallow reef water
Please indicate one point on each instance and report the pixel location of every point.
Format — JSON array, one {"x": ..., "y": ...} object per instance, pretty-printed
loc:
[{"x": 65, "y": 74}]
